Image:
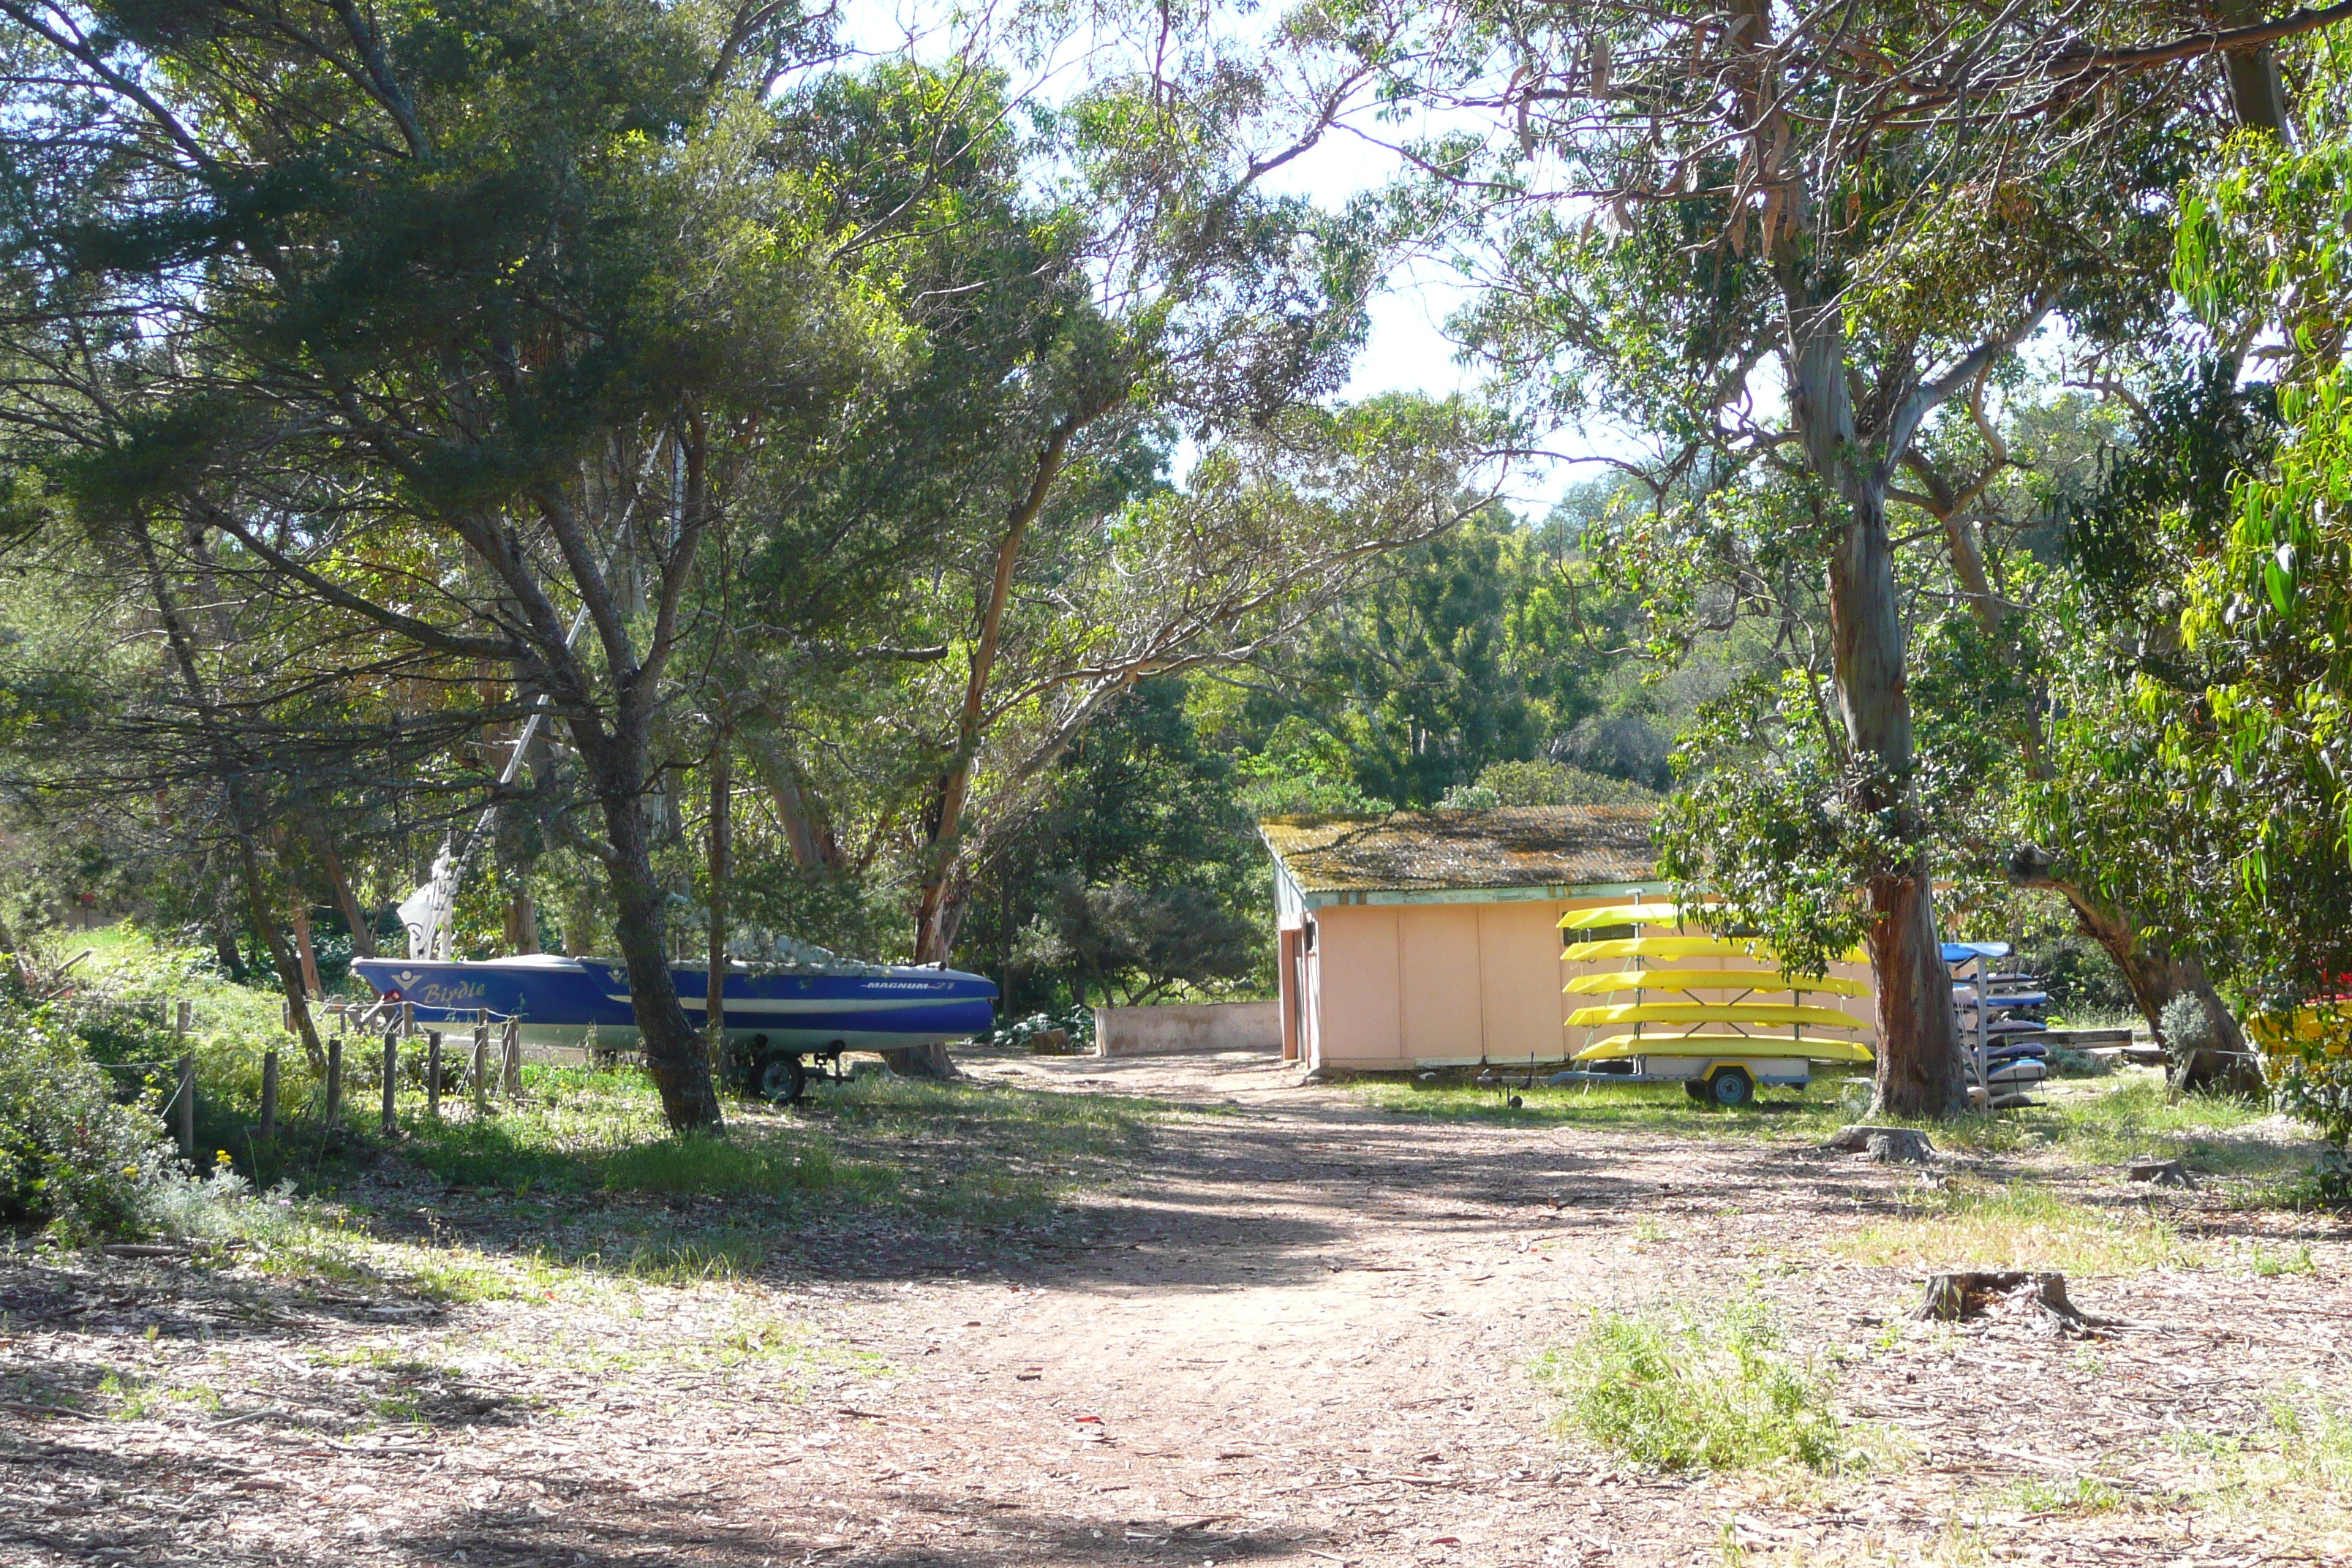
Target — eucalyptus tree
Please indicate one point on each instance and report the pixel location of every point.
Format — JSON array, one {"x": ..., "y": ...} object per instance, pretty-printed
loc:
[
  {"x": 1783, "y": 240},
  {"x": 1001, "y": 552},
  {"x": 462, "y": 323},
  {"x": 2247, "y": 739}
]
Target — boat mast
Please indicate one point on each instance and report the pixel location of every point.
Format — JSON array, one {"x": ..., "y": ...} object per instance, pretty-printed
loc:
[{"x": 427, "y": 913}]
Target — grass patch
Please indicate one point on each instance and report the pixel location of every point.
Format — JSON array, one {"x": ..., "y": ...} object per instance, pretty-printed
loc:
[
  {"x": 951, "y": 1151},
  {"x": 2102, "y": 1121},
  {"x": 1713, "y": 1394},
  {"x": 2270, "y": 1263},
  {"x": 1978, "y": 1225},
  {"x": 2083, "y": 1495},
  {"x": 139, "y": 1396},
  {"x": 1657, "y": 1108},
  {"x": 2292, "y": 1474},
  {"x": 745, "y": 1163}
]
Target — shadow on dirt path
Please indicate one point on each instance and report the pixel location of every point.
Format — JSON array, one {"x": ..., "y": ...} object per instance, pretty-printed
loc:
[{"x": 1293, "y": 1329}]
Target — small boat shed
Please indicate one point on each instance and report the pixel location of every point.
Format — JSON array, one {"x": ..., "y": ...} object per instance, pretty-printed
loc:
[{"x": 1433, "y": 938}]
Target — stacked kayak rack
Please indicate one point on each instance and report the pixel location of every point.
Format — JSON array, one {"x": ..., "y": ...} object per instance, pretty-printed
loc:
[
  {"x": 1704, "y": 1022},
  {"x": 1999, "y": 1015}
]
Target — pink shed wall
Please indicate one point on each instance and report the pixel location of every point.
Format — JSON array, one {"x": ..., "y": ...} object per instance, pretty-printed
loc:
[
  {"x": 1354, "y": 985},
  {"x": 1518, "y": 959},
  {"x": 1443, "y": 1008},
  {"x": 1392, "y": 985}
]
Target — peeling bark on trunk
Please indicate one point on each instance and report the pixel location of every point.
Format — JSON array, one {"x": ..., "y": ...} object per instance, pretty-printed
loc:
[
  {"x": 2257, "y": 93},
  {"x": 1915, "y": 1003},
  {"x": 1918, "y": 1046},
  {"x": 808, "y": 832}
]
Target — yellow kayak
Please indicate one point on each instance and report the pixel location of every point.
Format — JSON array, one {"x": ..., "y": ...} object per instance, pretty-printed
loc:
[
  {"x": 1634, "y": 915},
  {"x": 1812, "y": 1047},
  {"x": 1709, "y": 980},
  {"x": 1760, "y": 1013},
  {"x": 1679, "y": 947},
  {"x": 1667, "y": 947}
]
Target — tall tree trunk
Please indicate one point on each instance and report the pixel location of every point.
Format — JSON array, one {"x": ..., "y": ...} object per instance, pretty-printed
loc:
[
  {"x": 941, "y": 894},
  {"x": 674, "y": 1051},
  {"x": 323, "y": 847},
  {"x": 936, "y": 909},
  {"x": 2155, "y": 974},
  {"x": 240, "y": 812},
  {"x": 722, "y": 786},
  {"x": 522, "y": 922},
  {"x": 303, "y": 949},
  {"x": 1918, "y": 1044}
]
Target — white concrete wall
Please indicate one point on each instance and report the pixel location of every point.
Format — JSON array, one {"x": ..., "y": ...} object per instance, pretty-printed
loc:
[{"x": 1189, "y": 1026}]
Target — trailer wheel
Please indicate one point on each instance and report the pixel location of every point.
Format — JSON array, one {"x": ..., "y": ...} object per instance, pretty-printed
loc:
[
  {"x": 1697, "y": 1091},
  {"x": 1730, "y": 1087},
  {"x": 783, "y": 1080}
]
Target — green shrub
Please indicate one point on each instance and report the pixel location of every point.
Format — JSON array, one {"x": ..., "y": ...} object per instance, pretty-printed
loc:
[
  {"x": 2067, "y": 1062},
  {"x": 1684, "y": 1394},
  {"x": 1545, "y": 784},
  {"x": 71, "y": 1155}
]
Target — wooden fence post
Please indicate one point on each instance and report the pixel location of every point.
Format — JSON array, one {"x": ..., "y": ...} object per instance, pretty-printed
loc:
[
  {"x": 481, "y": 1066},
  {"x": 432, "y": 1075},
  {"x": 184, "y": 1107},
  {"x": 268, "y": 1092},
  {"x": 183, "y": 1018},
  {"x": 391, "y": 1082},
  {"x": 511, "y": 1058},
  {"x": 334, "y": 1077}
]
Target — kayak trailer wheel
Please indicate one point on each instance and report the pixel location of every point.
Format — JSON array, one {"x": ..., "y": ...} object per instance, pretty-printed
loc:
[{"x": 1730, "y": 1087}]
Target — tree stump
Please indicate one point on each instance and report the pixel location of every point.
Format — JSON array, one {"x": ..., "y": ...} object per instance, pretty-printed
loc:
[
  {"x": 2158, "y": 1173},
  {"x": 1886, "y": 1145},
  {"x": 1952, "y": 1297}
]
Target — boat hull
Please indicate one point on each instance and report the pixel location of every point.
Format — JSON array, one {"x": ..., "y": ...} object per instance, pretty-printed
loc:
[{"x": 585, "y": 1001}]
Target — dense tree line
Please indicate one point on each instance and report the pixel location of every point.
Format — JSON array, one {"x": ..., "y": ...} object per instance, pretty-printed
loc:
[{"x": 920, "y": 514}]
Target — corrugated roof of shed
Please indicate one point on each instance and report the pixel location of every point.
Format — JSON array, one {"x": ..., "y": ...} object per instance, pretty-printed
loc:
[{"x": 1498, "y": 847}]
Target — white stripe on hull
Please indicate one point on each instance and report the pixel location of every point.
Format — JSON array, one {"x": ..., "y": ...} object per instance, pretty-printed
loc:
[
  {"x": 610, "y": 1037},
  {"x": 791, "y": 1004}
]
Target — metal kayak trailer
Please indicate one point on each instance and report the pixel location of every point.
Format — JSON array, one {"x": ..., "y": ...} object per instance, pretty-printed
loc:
[{"x": 1712, "y": 1080}]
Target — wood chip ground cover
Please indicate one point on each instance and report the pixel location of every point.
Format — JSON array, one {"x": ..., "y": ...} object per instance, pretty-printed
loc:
[{"x": 1224, "y": 1319}]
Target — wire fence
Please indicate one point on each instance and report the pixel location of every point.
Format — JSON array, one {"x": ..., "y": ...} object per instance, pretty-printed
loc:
[{"x": 490, "y": 1070}]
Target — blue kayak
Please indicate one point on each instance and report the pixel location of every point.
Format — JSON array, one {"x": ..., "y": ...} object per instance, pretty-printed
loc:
[{"x": 813, "y": 1008}]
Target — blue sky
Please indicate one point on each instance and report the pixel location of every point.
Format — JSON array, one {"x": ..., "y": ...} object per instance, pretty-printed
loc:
[{"x": 1407, "y": 350}]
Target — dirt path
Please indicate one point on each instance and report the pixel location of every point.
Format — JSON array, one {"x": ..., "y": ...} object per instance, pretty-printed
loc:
[{"x": 1299, "y": 1335}]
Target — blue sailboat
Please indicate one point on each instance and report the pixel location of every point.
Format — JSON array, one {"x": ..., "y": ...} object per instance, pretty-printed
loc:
[
  {"x": 785, "y": 1001},
  {"x": 810, "y": 1005}
]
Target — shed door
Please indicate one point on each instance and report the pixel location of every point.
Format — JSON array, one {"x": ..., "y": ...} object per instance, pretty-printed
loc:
[{"x": 1439, "y": 980}]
